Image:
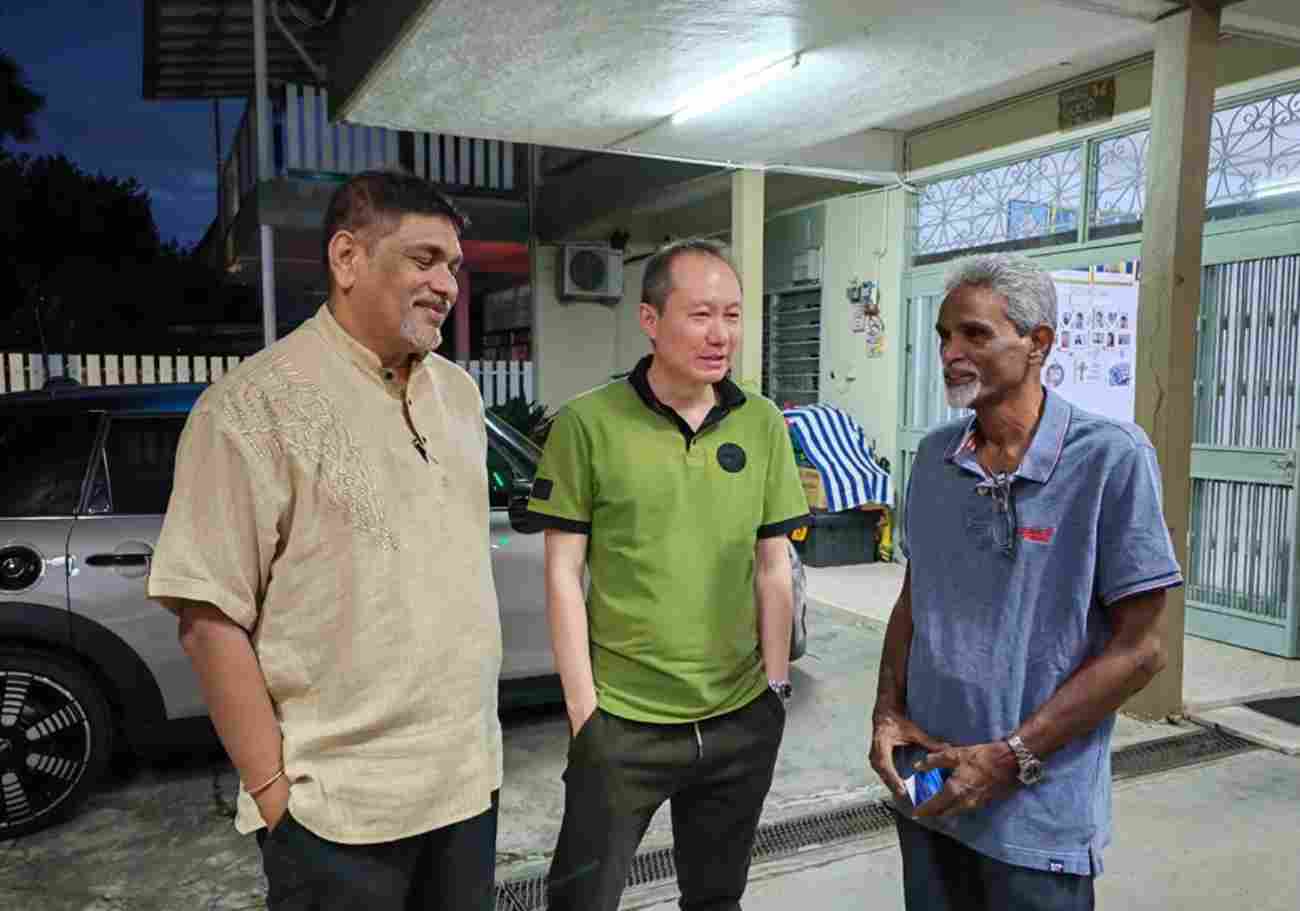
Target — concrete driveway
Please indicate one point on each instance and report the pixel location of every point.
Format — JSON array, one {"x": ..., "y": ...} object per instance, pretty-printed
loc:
[{"x": 161, "y": 837}]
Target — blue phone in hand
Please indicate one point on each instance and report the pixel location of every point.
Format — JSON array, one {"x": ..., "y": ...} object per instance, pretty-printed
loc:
[{"x": 921, "y": 786}]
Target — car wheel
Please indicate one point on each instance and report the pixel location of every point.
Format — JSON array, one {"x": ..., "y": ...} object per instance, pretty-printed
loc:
[
  {"x": 799, "y": 635},
  {"x": 55, "y": 739}
]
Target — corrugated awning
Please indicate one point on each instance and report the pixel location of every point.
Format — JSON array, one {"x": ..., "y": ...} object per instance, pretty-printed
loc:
[{"x": 204, "y": 49}]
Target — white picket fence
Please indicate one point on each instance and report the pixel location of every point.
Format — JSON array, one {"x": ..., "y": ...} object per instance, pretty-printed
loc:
[
  {"x": 499, "y": 381},
  {"x": 21, "y": 372}
]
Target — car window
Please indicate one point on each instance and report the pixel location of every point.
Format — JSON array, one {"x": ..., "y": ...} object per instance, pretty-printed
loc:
[
  {"x": 135, "y": 475},
  {"x": 501, "y": 477},
  {"x": 511, "y": 462},
  {"x": 43, "y": 461},
  {"x": 522, "y": 450}
]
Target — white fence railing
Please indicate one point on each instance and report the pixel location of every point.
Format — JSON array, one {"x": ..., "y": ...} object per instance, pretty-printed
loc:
[
  {"x": 305, "y": 139},
  {"x": 313, "y": 143},
  {"x": 499, "y": 381},
  {"x": 21, "y": 372}
]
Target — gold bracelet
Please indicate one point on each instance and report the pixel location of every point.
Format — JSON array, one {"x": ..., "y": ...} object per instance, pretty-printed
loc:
[{"x": 253, "y": 792}]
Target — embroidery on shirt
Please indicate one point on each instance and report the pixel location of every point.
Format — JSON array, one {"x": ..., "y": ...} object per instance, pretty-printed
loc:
[{"x": 279, "y": 411}]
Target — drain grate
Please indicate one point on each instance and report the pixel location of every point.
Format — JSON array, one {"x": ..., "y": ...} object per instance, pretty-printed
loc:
[
  {"x": 1286, "y": 709},
  {"x": 783, "y": 839},
  {"x": 1175, "y": 752}
]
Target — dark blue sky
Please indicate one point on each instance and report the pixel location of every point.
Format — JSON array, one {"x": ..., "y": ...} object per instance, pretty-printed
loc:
[{"x": 85, "y": 58}]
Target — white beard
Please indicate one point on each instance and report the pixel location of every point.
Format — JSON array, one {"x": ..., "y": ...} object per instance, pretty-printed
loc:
[
  {"x": 962, "y": 396},
  {"x": 419, "y": 335}
]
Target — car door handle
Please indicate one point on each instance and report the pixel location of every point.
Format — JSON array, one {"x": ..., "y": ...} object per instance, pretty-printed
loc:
[{"x": 117, "y": 560}]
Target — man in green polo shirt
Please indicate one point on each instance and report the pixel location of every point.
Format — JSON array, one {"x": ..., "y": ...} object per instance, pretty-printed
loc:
[{"x": 675, "y": 491}]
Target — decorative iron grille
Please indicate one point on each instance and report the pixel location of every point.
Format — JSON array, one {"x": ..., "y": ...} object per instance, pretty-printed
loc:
[
  {"x": 1254, "y": 155},
  {"x": 1025, "y": 203}
]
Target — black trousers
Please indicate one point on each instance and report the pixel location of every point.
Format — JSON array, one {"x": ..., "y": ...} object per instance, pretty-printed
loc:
[
  {"x": 942, "y": 874},
  {"x": 451, "y": 868},
  {"x": 715, "y": 774}
]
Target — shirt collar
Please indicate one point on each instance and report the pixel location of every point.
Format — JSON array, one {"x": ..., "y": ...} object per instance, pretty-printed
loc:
[
  {"x": 730, "y": 396},
  {"x": 1044, "y": 451},
  {"x": 342, "y": 342}
]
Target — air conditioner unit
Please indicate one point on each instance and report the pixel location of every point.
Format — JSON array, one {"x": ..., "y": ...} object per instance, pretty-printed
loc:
[{"x": 591, "y": 272}]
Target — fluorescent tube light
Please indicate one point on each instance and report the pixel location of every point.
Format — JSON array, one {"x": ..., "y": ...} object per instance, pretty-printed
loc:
[{"x": 747, "y": 79}]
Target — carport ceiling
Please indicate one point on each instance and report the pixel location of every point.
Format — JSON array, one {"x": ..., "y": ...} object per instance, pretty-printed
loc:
[
  {"x": 608, "y": 74},
  {"x": 204, "y": 48}
]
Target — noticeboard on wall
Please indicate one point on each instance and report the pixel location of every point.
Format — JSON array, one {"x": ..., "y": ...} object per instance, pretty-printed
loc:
[{"x": 1092, "y": 363}]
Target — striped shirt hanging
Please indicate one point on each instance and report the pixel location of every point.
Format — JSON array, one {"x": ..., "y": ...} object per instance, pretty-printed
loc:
[{"x": 837, "y": 447}]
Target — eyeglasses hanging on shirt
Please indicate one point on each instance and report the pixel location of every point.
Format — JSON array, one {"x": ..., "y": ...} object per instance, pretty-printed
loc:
[{"x": 1005, "y": 504}]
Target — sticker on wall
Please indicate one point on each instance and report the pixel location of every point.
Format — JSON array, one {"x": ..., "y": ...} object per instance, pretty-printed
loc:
[
  {"x": 875, "y": 323},
  {"x": 875, "y": 336}
]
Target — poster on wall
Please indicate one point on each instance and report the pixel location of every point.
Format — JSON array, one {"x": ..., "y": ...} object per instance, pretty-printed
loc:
[{"x": 1092, "y": 362}]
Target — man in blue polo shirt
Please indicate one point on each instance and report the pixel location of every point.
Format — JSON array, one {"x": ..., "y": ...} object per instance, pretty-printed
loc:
[{"x": 1038, "y": 560}]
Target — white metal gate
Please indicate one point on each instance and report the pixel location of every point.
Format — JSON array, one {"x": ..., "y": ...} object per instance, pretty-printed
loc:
[{"x": 1242, "y": 550}]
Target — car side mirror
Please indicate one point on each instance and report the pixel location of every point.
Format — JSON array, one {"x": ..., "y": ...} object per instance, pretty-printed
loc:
[{"x": 520, "y": 520}]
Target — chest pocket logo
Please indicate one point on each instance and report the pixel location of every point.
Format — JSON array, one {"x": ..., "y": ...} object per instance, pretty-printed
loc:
[{"x": 732, "y": 458}]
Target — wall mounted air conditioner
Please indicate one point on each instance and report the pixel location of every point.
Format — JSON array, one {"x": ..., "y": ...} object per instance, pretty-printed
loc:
[{"x": 592, "y": 272}]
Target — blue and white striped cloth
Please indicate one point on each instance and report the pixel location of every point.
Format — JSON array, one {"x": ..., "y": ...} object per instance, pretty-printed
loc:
[{"x": 837, "y": 446}]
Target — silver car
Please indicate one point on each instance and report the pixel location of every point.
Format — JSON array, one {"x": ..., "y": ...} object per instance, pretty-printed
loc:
[{"x": 89, "y": 665}]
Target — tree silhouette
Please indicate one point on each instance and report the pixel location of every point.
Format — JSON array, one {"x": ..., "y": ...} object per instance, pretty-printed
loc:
[
  {"x": 19, "y": 105},
  {"x": 76, "y": 248}
]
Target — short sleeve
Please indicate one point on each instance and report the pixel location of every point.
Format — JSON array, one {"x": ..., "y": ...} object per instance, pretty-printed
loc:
[
  {"x": 221, "y": 531},
  {"x": 561, "y": 497},
  {"x": 785, "y": 505},
  {"x": 1134, "y": 551},
  {"x": 902, "y": 538}
]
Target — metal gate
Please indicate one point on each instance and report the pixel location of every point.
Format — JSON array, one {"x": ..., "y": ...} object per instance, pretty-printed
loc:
[{"x": 1242, "y": 550}]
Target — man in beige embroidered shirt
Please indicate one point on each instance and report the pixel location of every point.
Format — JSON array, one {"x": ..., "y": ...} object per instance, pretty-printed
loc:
[{"x": 326, "y": 549}]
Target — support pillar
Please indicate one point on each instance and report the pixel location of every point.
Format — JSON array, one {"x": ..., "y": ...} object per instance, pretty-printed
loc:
[
  {"x": 747, "y": 190},
  {"x": 262, "y": 103},
  {"x": 1173, "y": 220}
]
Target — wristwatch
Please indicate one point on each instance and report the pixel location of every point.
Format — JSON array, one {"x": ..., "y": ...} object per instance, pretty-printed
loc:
[
  {"x": 1031, "y": 767},
  {"x": 782, "y": 688}
]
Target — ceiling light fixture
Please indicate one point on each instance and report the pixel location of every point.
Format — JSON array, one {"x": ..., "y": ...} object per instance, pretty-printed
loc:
[{"x": 743, "y": 81}]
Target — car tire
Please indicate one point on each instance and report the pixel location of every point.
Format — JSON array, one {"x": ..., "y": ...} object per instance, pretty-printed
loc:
[{"x": 56, "y": 738}]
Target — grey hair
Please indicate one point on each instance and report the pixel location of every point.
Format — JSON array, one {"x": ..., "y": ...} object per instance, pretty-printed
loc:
[
  {"x": 1027, "y": 286},
  {"x": 657, "y": 281}
]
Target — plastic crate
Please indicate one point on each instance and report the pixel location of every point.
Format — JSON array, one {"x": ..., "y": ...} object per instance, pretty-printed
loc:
[{"x": 840, "y": 538}]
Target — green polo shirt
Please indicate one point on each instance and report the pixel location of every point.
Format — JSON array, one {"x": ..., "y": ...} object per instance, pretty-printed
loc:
[{"x": 673, "y": 517}]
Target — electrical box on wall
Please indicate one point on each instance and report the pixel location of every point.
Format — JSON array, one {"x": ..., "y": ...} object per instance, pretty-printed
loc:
[
  {"x": 591, "y": 272},
  {"x": 806, "y": 267}
]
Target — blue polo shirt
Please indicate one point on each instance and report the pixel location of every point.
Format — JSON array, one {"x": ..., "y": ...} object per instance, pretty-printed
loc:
[{"x": 1006, "y": 604}]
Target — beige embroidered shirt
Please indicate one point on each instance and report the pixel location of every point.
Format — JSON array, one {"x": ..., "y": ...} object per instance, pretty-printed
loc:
[{"x": 304, "y": 511}]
